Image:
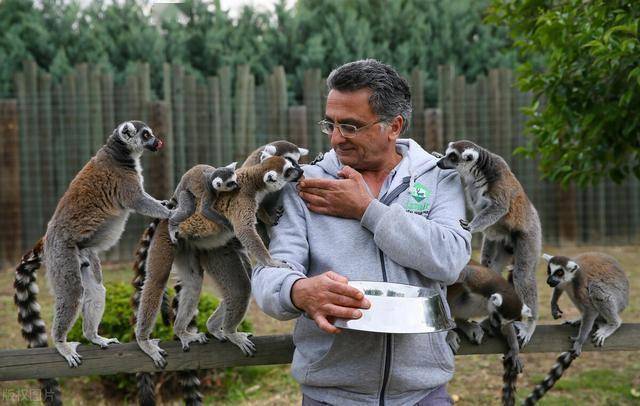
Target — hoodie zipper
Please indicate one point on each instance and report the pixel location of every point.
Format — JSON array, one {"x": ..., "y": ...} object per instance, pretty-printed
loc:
[{"x": 388, "y": 337}]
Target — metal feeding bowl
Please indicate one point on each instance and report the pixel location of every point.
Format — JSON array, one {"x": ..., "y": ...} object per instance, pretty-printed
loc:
[{"x": 400, "y": 309}]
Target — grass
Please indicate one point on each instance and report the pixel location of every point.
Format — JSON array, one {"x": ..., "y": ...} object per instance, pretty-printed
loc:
[{"x": 594, "y": 378}]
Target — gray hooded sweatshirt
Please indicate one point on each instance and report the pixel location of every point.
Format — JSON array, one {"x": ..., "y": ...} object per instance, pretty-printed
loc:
[{"x": 410, "y": 234}]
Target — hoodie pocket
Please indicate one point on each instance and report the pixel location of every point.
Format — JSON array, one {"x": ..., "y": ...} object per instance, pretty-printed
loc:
[{"x": 350, "y": 363}]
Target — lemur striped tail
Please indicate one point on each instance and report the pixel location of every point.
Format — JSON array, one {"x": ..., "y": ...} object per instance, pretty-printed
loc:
[
  {"x": 31, "y": 323},
  {"x": 188, "y": 379},
  {"x": 509, "y": 380},
  {"x": 145, "y": 381},
  {"x": 563, "y": 362}
]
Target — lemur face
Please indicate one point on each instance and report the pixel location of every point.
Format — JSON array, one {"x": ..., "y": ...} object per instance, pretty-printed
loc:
[
  {"x": 560, "y": 270},
  {"x": 290, "y": 151},
  {"x": 280, "y": 171},
  {"x": 460, "y": 155},
  {"x": 138, "y": 136},
  {"x": 224, "y": 179}
]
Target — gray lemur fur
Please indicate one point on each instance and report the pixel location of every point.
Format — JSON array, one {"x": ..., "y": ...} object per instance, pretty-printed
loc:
[
  {"x": 270, "y": 208},
  {"x": 217, "y": 180},
  {"x": 504, "y": 215},
  {"x": 206, "y": 246},
  {"x": 89, "y": 218},
  {"x": 599, "y": 288},
  {"x": 481, "y": 292}
]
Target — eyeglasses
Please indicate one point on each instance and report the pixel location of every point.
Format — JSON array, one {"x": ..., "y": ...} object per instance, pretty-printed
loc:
[{"x": 346, "y": 130}]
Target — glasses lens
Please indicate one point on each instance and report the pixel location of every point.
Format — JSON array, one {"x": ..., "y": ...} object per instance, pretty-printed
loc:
[
  {"x": 348, "y": 129},
  {"x": 326, "y": 127}
]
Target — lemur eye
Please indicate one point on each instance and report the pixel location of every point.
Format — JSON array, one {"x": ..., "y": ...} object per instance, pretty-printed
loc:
[
  {"x": 453, "y": 157},
  {"x": 468, "y": 158},
  {"x": 560, "y": 273},
  {"x": 146, "y": 134}
]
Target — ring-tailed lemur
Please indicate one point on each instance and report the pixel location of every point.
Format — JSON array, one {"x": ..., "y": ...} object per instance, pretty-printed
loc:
[
  {"x": 205, "y": 245},
  {"x": 481, "y": 292},
  {"x": 206, "y": 182},
  {"x": 599, "y": 288},
  {"x": 505, "y": 216},
  {"x": 89, "y": 218}
]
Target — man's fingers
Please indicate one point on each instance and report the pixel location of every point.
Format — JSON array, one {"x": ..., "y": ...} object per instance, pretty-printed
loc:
[
  {"x": 346, "y": 290},
  {"x": 318, "y": 183},
  {"x": 324, "y": 324},
  {"x": 315, "y": 200},
  {"x": 350, "y": 173},
  {"x": 336, "y": 277},
  {"x": 314, "y": 191},
  {"x": 346, "y": 301},
  {"x": 341, "y": 312}
]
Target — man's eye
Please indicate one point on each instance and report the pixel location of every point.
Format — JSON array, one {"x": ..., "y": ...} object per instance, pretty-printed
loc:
[{"x": 348, "y": 128}]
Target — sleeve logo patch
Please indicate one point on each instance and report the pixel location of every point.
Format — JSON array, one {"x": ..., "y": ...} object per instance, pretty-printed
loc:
[{"x": 419, "y": 200}]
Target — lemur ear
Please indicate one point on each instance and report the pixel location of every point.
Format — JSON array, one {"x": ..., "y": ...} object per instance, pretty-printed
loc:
[
  {"x": 303, "y": 151},
  {"x": 232, "y": 166},
  {"x": 127, "y": 129},
  {"x": 572, "y": 266},
  {"x": 547, "y": 257},
  {"x": 268, "y": 152},
  {"x": 496, "y": 299}
]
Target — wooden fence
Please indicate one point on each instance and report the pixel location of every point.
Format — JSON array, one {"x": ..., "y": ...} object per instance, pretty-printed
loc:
[
  {"x": 52, "y": 128},
  {"x": 42, "y": 363}
]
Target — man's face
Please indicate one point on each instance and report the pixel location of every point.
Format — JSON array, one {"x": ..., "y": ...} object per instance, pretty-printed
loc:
[{"x": 370, "y": 147}]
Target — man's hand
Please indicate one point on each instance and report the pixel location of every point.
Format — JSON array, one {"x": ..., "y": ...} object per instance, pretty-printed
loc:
[
  {"x": 347, "y": 197},
  {"x": 326, "y": 297}
]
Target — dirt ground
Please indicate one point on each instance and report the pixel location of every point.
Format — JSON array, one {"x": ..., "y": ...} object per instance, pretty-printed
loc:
[{"x": 597, "y": 378}]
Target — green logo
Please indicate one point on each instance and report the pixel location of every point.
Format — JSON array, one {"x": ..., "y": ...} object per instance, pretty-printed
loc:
[{"x": 419, "y": 200}]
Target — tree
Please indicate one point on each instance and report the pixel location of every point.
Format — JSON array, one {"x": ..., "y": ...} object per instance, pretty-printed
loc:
[{"x": 584, "y": 122}]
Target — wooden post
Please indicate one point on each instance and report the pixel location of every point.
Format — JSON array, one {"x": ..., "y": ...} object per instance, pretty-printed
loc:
[
  {"x": 312, "y": 99},
  {"x": 417, "y": 129},
  {"x": 169, "y": 152},
  {"x": 459, "y": 107},
  {"x": 224, "y": 74},
  {"x": 191, "y": 129},
  {"x": 60, "y": 147},
  {"x": 108, "y": 112},
  {"x": 434, "y": 138},
  {"x": 10, "y": 201},
  {"x": 82, "y": 118},
  {"x": 95, "y": 109},
  {"x": 567, "y": 219},
  {"x": 298, "y": 125},
  {"x": 262, "y": 118},
  {"x": 157, "y": 179},
  {"x": 216, "y": 121},
  {"x": 241, "y": 112},
  {"x": 281, "y": 101},
  {"x": 202, "y": 139},
  {"x": 481, "y": 111},
  {"x": 177, "y": 113},
  {"x": 44, "y": 138},
  {"x": 446, "y": 78},
  {"x": 251, "y": 116}
]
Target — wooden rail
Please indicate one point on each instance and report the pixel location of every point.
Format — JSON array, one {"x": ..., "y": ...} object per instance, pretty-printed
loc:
[{"x": 127, "y": 358}]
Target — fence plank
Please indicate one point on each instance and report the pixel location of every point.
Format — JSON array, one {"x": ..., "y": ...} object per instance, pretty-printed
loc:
[
  {"x": 224, "y": 74},
  {"x": 446, "y": 78},
  {"x": 191, "y": 132},
  {"x": 10, "y": 229},
  {"x": 240, "y": 118},
  {"x": 47, "y": 363},
  {"x": 216, "y": 121},
  {"x": 298, "y": 125},
  {"x": 177, "y": 106},
  {"x": 433, "y": 130},
  {"x": 417, "y": 99},
  {"x": 44, "y": 137},
  {"x": 281, "y": 101},
  {"x": 312, "y": 99},
  {"x": 95, "y": 109}
]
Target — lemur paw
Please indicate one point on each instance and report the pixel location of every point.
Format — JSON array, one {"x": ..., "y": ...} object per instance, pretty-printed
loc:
[
  {"x": 556, "y": 313},
  {"x": 572, "y": 323},
  {"x": 453, "y": 339},
  {"x": 276, "y": 217},
  {"x": 243, "y": 342},
  {"x": 600, "y": 335},
  {"x": 153, "y": 350},
  {"x": 524, "y": 332},
  {"x": 187, "y": 338},
  {"x": 102, "y": 341},
  {"x": 464, "y": 224},
  {"x": 218, "y": 334},
  {"x": 516, "y": 362},
  {"x": 68, "y": 350}
]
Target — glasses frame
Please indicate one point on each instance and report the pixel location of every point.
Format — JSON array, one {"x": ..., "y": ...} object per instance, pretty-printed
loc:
[{"x": 341, "y": 127}]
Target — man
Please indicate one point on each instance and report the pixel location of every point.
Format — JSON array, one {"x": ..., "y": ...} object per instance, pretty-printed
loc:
[{"x": 375, "y": 207}]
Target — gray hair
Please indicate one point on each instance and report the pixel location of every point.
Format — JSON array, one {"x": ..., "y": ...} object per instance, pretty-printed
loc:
[{"x": 390, "y": 94}]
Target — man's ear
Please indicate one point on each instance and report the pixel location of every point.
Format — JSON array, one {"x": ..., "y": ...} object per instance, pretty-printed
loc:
[{"x": 396, "y": 127}]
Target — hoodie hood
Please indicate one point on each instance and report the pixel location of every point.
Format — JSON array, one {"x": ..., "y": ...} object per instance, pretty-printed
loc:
[{"x": 415, "y": 162}]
